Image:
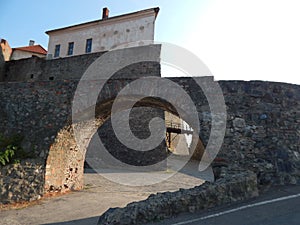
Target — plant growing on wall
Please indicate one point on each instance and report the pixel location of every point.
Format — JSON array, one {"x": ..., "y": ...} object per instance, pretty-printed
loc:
[
  {"x": 11, "y": 150},
  {"x": 6, "y": 155}
]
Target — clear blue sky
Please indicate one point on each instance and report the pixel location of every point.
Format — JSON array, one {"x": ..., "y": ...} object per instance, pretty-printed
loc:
[
  {"x": 21, "y": 20},
  {"x": 237, "y": 39}
]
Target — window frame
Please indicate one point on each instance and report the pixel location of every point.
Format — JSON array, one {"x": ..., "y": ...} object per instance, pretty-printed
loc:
[
  {"x": 88, "y": 45},
  {"x": 57, "y": 51},
  {"x": 70, "y": 48}
]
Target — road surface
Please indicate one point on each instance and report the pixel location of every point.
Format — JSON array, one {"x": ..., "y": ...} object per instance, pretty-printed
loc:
[{"x": 280, "y": 206}]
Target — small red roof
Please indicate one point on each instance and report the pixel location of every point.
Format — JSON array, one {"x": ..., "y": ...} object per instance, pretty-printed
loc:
[{"x": 34, "y": 48}]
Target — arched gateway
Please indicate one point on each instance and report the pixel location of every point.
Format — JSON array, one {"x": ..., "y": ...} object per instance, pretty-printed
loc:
[{"x": 93, "y": 104}]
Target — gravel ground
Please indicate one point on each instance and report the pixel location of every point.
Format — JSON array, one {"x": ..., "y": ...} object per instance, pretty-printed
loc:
[{"x": 85, "y": 206}]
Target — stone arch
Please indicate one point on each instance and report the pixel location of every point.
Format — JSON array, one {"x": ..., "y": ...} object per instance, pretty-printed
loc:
[
  {"x": 64, "y": 164},
  {"x": 65, "y": 161}
]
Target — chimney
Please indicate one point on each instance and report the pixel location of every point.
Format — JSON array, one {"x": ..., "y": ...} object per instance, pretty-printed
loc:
[
  {"x": 31, "y": 42},
  {"x": 105, "y": 13}
]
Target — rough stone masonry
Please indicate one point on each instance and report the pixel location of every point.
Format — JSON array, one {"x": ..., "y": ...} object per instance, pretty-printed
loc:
[{"x": 262, "y": 135}]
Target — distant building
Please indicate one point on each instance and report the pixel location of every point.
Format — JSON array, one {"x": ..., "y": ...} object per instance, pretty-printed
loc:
[
  {"x": 28, "y": 51},
  {"x": 6, "y": 49},
  {"x": 102, "y": 35}
]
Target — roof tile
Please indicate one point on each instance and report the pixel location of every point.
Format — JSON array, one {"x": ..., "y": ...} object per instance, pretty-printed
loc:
[{"x": 34, "y": 48}]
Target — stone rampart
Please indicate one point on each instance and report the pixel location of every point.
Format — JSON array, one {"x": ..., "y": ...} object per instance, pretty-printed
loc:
[{"x": 262, "y": 134}]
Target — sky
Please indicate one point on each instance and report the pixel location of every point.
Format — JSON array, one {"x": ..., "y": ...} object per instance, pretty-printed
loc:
[{"x": 236, "y": 39}]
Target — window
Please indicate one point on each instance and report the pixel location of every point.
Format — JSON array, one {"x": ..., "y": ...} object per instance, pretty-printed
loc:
[
  {"x": 57, "y": 50},
  {"x": 88, "y": 47},
  {"x": 71, "y": 48}
]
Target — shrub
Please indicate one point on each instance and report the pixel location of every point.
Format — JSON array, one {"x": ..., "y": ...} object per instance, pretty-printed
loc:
[{"x": 11, "y": 150}]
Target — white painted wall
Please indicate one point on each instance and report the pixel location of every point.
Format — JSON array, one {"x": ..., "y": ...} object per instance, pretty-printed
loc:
[
  {"x": 180, "y": 142},
  {"x": 106, "y": 34},
  {"x": 18, "y": 54}
]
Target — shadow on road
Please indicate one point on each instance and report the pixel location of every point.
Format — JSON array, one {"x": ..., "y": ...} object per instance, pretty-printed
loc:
[{"x": 85, "y": 221}]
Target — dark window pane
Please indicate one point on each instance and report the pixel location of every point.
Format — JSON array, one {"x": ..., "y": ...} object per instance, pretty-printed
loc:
[
  {"x": 57, "y": 50},
  {"x": 88, "y": 47},
  {"x": 71, "y": 48}
]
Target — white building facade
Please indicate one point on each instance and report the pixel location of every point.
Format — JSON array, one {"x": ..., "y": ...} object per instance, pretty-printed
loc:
[
  {"x": 102, "y": 35},
  {"x": 28, "y": 51}
]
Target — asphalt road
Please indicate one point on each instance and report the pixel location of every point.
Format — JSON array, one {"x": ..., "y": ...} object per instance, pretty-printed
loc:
[{"x": 280, "y": 206}]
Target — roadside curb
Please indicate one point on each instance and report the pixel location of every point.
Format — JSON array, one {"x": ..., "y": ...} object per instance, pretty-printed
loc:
[{"x": 235, "y": 186}]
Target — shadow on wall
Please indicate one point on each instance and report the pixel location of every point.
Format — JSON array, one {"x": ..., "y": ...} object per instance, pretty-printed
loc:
[
  {"x": 2, "y": 65},
  {"x": 113, "y": 152},
  {"x": 139, "y": 121}
]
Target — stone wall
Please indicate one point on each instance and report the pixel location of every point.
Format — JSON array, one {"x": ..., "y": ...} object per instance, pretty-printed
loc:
[
  {"x": 40, "y": 110},
  {"x": 22, "y": 181},
  {"x": 233, "y": 187},
  {"x": 37, "y": 69},
  {"x": 139, "y": 122},
  {"x": 72, "y": 68},
  {"x": 263, "y": 129},
  {"x": 263, "y": 133}
]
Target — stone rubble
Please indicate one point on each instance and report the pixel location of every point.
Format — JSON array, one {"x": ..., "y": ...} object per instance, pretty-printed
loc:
[
  {"x": 21, "y": 182},
  {"x": 229, "y": 188}
]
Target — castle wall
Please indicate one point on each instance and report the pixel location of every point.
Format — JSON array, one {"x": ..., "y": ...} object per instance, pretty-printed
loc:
[{"x": 262, "y": 133}]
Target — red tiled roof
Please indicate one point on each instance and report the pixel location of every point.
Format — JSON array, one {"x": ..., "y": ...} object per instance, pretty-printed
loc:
[{"x": 34, "y": 48}]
